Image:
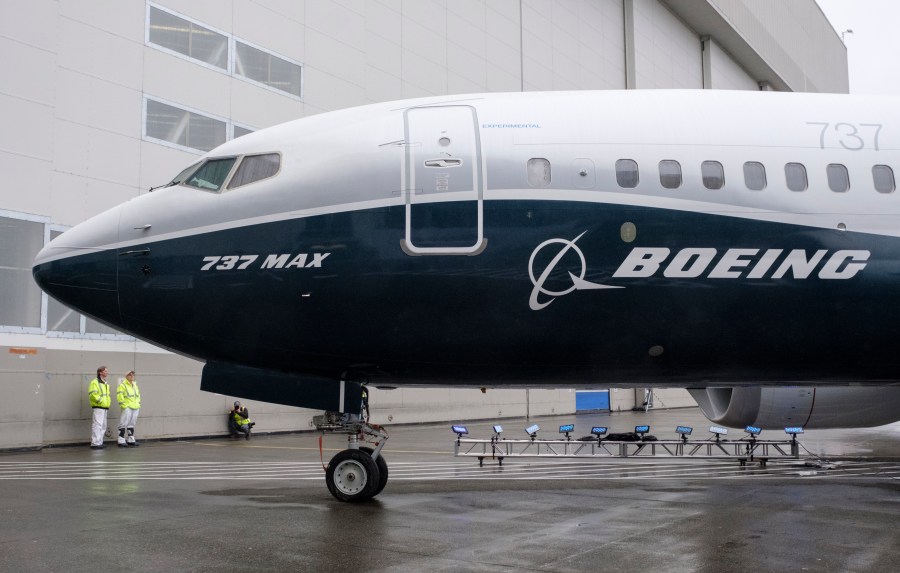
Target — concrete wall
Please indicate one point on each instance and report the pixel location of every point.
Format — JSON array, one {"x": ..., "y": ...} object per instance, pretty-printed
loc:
[{"x": 45, "y": 400}]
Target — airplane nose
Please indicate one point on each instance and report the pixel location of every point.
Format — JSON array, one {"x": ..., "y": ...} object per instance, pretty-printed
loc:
[{"x": 79, "y": 268}]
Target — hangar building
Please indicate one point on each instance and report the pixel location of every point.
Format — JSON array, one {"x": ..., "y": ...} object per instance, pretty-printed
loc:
[{"x": 102, "y": 99}]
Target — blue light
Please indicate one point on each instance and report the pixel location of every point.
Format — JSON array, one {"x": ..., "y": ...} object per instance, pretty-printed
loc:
[
  {"x": 532, "y": 429},
  {"x": 794, "y": 430},
  {"x": 599, "y": 430},
  {"x": 460, "y": 430},
  {"x": 498, "y": 428},
  {"x": 718, "y": 430},
  {"x": 684, "y": 430},
  {"x": 641, "y": 429},
  {"x": 567, "y": 428},
  {"x": 752, "y": 430}
]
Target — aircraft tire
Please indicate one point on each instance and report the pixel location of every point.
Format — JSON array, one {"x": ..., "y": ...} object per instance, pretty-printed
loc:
[
  {"x": 352, "y": 475},
  {"x": 382, "y": 469}
]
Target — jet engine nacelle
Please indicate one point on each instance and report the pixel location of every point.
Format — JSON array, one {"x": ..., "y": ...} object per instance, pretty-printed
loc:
[{"x": 810, "y": 407}]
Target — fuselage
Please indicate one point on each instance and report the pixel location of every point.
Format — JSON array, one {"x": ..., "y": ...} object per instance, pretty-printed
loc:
[{"x": 552, "y": 239}]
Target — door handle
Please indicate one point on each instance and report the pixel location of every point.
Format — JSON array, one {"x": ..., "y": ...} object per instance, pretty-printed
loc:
[
  {"x": 143, "y": 227},
  {"x": 443, "y": 162}
]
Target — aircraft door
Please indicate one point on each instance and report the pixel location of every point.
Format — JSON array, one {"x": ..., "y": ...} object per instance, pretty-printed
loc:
[{"x": 443, "y": 181}]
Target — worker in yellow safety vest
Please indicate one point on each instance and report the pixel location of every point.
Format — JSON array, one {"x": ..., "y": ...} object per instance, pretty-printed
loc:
[
  {"x": 98, "y": 394},
  {"x": 129, "y": 397},
  {"x": 239, "y": 421}
]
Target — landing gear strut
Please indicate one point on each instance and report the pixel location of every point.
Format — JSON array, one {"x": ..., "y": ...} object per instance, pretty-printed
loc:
[{"x": 358, "y": 473}]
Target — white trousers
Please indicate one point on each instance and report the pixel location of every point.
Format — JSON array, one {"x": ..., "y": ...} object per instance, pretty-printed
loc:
[
  {"x": 98, "y": 426},
  {"x": 127, "y": 421}
]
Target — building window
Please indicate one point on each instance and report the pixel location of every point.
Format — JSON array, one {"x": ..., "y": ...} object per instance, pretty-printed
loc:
[
  {"x": 255, "y": 168},
  {"x": 755, "y": 175},
  {"x": 627, "y": 173},
  {"x": 670, "y": 174},
  {"x": 61, "y": 318},
  {"x": 20, "y": 241},
  {"x": 883, "y": 177},
  {"x": 241, "y": 131},
  {"x": 219, "y": 50},
  {"x": 713, "y": 174},
  {"x": 265, "y": 68},
  {"x": 795, "y": 176},
  {"x": 838, "y": 178},
  {"x": 188, "y": 38},
  {"x": 182, "y": 127}
]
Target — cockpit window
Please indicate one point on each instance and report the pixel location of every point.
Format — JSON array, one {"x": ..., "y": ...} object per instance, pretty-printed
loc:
[
  {"x": 211, "y": 174},
  {"x": 181, "y": 176},
  {"x": 254, "y": 168}
]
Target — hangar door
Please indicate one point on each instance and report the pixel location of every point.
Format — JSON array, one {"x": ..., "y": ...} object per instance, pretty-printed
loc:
[
  {"x": 443, "y": 181},
  {"x": 592, "y": 400}
]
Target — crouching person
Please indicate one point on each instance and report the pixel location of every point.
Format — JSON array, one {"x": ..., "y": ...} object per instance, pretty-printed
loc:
[{"x": 239, "y": 421}]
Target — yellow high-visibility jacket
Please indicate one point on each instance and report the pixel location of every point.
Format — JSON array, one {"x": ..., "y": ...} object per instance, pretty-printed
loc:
[
  {"x": 98, "y": 392},
  {"x": 128, "y": 395}
]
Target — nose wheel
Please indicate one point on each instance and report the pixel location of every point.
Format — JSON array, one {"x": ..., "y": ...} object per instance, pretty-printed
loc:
[{"x": 352, "y": 475}]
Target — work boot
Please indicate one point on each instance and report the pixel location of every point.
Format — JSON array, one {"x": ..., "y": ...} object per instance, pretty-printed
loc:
[{"x": 247, "y": 437}]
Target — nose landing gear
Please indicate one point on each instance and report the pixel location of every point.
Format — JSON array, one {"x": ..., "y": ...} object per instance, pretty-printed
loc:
[{"x": 358, "y": 473}]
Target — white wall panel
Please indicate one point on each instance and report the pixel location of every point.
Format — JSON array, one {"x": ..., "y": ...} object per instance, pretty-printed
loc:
[
  {"x": 384, "y": 21},
  {"x": 667, "y": 51},
  {"x": 255, "y": 24},
  {"x": 466, "y": 64},
  {"x": 463, "y": 33},
  {"x": 382, "y": 86},
  {"x": 123, "y": 19},
  {"x": 338, "y": 23},
  {"x": 292, "y": 9},
  {"x": 334, "y": 57},
  {"x": 25, "y": 184},
  {"x": 99, "y": 53},
  {"x": 257, "y": 108},
  {"x": 502, "y": 79},
  {"x": 27, "y": 127},
  {"x": 384, "y": 54},
  {"x": 423, "y": 73},
  {"x": 327, "y": 92},
  {"x": 176, "y": 79},
  {"x": 28, "y": 71},
  {"x": 726, "y": 74},
  {"x": 31, "y": 27},
  {"x": 502, "y": 28},
  {"x": 429, "y": 14},
  {"x": 424, "y": 42},
  {"x": 472, "y": 11}
]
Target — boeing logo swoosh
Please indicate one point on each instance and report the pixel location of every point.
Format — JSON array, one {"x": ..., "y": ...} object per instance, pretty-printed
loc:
[{"x": 578, "y": 282}]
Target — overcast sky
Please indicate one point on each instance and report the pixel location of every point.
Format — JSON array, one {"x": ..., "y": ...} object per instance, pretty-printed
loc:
[{"x": 873, "y": 49}]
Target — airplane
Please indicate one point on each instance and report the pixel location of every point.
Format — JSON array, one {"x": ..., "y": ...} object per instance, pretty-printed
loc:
[{"x": 743, "y": 245}]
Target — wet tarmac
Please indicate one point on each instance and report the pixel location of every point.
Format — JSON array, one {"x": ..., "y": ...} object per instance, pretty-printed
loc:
[{"x": 222, "y": 505}]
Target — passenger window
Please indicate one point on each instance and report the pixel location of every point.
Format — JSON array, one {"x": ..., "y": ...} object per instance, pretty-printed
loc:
[
  {"x": 795, "y": 176},
  {"x": 627, "y": 173},
  {"x": 754, "y": 175},
  {"x": 713, "y": 174},
  {"x": 838, "y": 178},
  {"x": 883, "y": 177},
  {"x": 670, "y": 174},
  {"x": 254, "y": 168},
  {"x": 538, "y": 172},
  {"x": 211, "y": 174}
]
